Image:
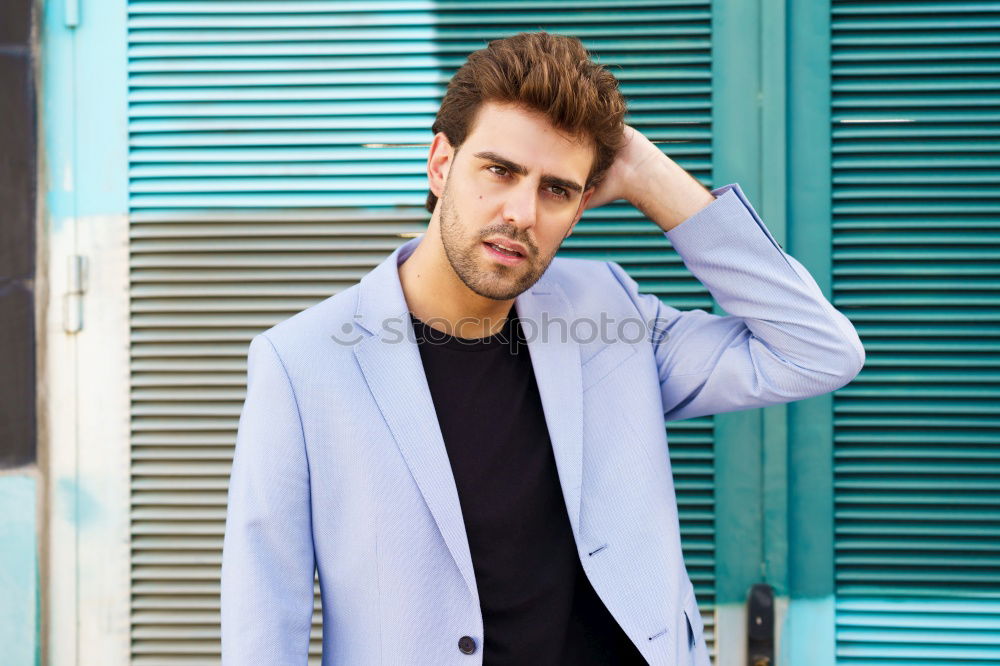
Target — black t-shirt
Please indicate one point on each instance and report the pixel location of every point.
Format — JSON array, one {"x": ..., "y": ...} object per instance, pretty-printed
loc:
[{"x": 538, "y": 605}]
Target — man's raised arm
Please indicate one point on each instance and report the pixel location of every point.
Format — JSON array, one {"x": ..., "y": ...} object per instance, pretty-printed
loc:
[{"x": 781, "y": 340}]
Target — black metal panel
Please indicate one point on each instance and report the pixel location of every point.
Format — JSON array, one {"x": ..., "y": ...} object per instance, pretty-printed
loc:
[{"x": 18, "y": 188}]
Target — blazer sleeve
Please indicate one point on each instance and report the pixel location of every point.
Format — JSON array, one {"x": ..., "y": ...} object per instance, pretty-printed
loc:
[
  {"x": 781, "y": 340},
  {"x": 267, "y": 556}
]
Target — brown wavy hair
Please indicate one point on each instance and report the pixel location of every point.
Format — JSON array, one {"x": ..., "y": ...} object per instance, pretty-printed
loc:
[{"x": 543, "y": 72}]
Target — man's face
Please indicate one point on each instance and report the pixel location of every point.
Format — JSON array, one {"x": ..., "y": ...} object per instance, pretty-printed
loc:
[{"x": 518, "y": 182}]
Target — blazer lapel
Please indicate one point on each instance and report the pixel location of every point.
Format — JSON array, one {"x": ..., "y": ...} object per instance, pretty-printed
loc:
[
  {"x": 546, "y": 319},
  {"x": 391, "y": 363}
]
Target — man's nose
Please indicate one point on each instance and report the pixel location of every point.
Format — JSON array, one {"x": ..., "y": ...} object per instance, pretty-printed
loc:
[{"x": 521, "y": 205}]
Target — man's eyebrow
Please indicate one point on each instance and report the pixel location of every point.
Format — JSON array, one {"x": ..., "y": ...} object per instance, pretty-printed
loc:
[{"x": 520, "y": 170}]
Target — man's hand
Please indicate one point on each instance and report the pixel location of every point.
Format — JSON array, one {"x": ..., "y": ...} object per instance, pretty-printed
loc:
[
  {"x": 652, "y": 182},
  {"x": 638, "y": 149}
]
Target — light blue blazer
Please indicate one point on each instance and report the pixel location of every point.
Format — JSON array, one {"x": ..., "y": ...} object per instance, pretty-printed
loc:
[{"x": 340, "y": 465}]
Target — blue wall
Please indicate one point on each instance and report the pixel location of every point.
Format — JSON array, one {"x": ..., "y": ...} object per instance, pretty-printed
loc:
[{"x": 19, "y": 609}]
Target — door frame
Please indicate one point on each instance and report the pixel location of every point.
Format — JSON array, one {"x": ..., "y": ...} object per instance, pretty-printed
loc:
[
  {"x": 84, "y": 411},
  {"x": 774, "y": 466}
]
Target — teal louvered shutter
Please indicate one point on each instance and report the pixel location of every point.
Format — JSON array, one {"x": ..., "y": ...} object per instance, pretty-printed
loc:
[
  {"x": 916, "y": 261},
  {"x": 277, "y": 153}
]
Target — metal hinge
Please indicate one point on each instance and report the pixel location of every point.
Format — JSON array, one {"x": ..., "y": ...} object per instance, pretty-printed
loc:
[
  {"x": 73, "y": 298},
  {"x": 71, "y": 11}
]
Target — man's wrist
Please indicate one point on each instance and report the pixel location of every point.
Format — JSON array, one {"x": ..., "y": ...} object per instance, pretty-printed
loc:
[{"x": 667, "y": 194}]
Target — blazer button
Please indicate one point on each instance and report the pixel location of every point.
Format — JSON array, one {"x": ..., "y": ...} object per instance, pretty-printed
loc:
[{"x": 467, "y": 644}]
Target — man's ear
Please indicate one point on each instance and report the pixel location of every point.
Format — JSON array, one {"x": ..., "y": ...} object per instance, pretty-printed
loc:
[
  {"x": 438, "y": 163},
  {"x": 579, "y": 211}
]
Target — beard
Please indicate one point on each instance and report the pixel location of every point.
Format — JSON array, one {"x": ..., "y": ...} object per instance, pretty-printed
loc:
[{"x": 488, "y": 279}]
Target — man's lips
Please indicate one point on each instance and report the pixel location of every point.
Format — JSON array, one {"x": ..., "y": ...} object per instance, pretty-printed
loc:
[
  {"x": 502, "y": 257},
  {"x": 509, "y": 244}
]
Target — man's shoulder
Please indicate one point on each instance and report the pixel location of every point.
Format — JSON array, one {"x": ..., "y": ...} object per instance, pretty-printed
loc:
[
  {"x": 591, "y": 287},
  {"x": 584, "y": 279},
  {"x": 316, "y": 323}
]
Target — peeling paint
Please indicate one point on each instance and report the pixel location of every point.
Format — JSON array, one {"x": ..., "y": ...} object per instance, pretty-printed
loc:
[{"x": 75, "y": 504}]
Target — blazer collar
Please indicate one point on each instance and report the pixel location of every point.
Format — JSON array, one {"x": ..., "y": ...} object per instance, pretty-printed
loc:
[{"x": 391, "y": 363}]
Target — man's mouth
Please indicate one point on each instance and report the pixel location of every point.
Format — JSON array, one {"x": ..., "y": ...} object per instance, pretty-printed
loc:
[
  {"x": 504, "y": 249},
  {"x": 503, "y": 254}
]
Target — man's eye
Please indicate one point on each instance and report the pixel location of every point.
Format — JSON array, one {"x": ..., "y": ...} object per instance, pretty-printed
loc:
[{"x": 561, "y": 194}]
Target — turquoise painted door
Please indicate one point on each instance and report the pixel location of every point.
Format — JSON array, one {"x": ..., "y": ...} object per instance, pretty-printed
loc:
[{"x": 915, "y": 115}]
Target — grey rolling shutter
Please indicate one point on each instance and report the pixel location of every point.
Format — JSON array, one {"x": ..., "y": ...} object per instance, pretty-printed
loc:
[
  {"x": 277, "y": 153},
  {"x": 916, "y": 263}
]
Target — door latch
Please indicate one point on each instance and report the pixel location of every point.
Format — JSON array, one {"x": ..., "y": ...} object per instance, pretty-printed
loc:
[{"x": 760, "y": 625}]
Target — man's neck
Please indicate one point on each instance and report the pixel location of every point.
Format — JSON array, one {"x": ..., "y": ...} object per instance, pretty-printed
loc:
[{"x": 439, "y": 298}]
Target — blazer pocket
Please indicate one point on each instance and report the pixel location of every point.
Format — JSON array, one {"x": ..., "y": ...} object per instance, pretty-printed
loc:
[
  {"x": 695, "y": 626},
  {"x": 601, "y": 364}
]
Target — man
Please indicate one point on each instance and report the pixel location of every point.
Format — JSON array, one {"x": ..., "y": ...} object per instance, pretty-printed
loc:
[{"x": 473, "y": 484}]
